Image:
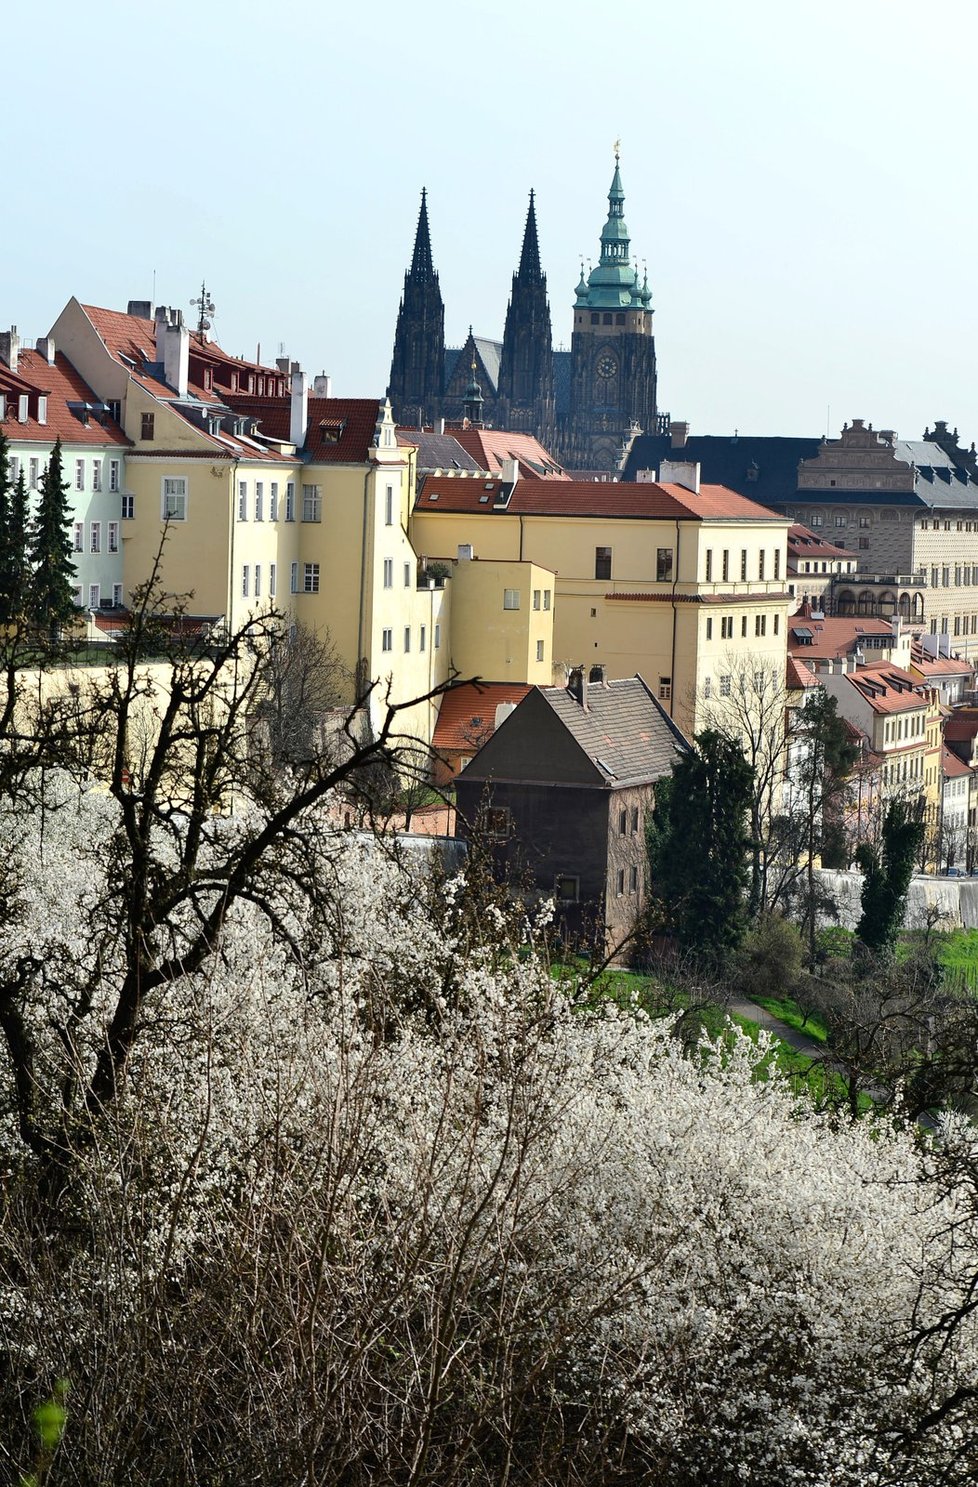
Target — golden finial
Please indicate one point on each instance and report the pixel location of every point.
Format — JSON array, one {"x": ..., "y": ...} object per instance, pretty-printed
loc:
[{"x": 617, "y": 150}]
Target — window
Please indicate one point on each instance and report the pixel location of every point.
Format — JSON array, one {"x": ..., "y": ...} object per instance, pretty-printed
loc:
[
  {"x": 743, "y": 564},
  {"x": 864, "y": 521},
  {"x": 633, "y": 879},
  {"x": 863, "y": 544},
  {"x": 273, "y": 501},
  {"x": 290, "y": 500},
  {"x": 312, "y": 503},
  {"x": 242, "y": 500},
  {"x": 760, "y": 624},
  {"x": 539, "y": 650},
  {"x": 147, "y": 426},
  {"x": 665, "y": 688},
  {"x": 95, "y": 537},
  {"x": 602, "y": 562},
  {"x": 546, "y": 598},
  {"x": 96, "y": 475},
  {"x": 310, "y": 578},
  {"x": 511, "y": 598},
  {"x": 388, "y": 573},
  {"x": 387, "y": 640},
  {"x": 816, "y": 520},
  {"x": 709, "y": 564},
  {"x": 13, "y": 467},
  {"x": 258, "y": 580},
  {"x": 724, "y": 686},
  {"x": 389, "y": 507},
  {"x": 33, "y": 466},
  {"x": 743, "y": 627},
  {"x": 437, "y": 636},
  {"x": 726, "y": 565},
  {"x": 423, "y": 638},
  {"x": 840, "y": 521},
  {"x": 113, "y": 475},
  {"x": 934, "y": 577},
  {"x": 407, "y": 575},
  {"x": 709, "y": 629},
  {"x": 622, "y": 822},
  {"x": 946, "y": 578},
  {"x": 94, "y": 595},
  {"x": 777, "y": 624},
  {"x": 174, "y": 498},
  {"x": 76, "y": 594},
  {"x": 113, "y": 536},
  {"x": 272, "y": 575},
  {"x": 536, "y": 598},
  {"x": 567, "y": 889},
  {"x": 117, "y": 595},
  {"x": 957, "y": 576},
  {"x": 760, "y": 564},
  {"x": 294, "y": 577},
  {"x": 726, "y": 627},
  {"x": 259, "y": 500},
  {"x": 620, "y": 882},
  {"x": 245, "y": 581},
  {"x": 79, "y": 475},
  {"x": 128, "y": 508},
  {"x": 707, "y": 687},
  {"x": 634, "y": 820},
  {"x": 79, "y": 536},
  {"x": 777, "y": 562},
  {"x": 663, "y": 565},
  {"x": 407, "y": 638}
]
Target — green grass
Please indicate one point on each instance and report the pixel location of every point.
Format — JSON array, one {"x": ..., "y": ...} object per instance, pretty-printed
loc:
[{"x": 788, "y": 1011}]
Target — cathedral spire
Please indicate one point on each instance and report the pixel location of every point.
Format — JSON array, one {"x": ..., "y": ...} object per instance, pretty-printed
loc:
[
  {"x": 530, "y": 256},
  {"x": 422, "y": 268}
]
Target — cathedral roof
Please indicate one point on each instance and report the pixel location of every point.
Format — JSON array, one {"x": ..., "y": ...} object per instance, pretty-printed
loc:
[{"x": 489, "y": 353}]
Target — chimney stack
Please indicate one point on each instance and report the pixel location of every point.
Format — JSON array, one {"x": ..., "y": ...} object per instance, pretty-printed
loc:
[
  {"x": 322, "y": 386},
  {"x": 678, "y": 434},
  {"x": 680, "y": 472},
  {"x": 299, "y": 413},
  {"x": 577, "y": 685},
  {"x": 173, "y": 349},
  {"x": 45, "y": 347},
  {"x": 10, "y": 347},
  {"x": 142, "y": 309}
]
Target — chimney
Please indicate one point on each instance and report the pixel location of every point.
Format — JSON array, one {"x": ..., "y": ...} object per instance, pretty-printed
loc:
[
  {"x": 509, "y": 471},
  {"x": 678, "y": 434},
  {"x": 284, "y": 365},
  {"x": 680, "y": 472},
  {"x": 173, "y": 349},
  {"x": 440, "y": 426},
  {"x": 299, "y": 415},
  {"x": 10, "y": 347},
  {"x": 45, "y": 348},
  {"x": 577, "y": 685},
  {"x": 322, "y": 386},
  {"x": 141, "y": 308}
]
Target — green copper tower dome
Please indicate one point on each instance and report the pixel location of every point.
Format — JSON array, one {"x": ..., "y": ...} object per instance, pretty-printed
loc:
[{"x": 612, "y": 285}]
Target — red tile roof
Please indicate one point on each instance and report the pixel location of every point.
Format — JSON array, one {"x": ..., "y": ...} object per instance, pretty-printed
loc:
[
  {"x": 938, "y": 666},
  {"x": 887, "y": 689},
  {"x": 799, "y": 676},
  {"x": 338, "y": 430},
  {"x": 62, "y": 385},
  {"x": 467, "y": 716},
  {"x": 804, "y": 543},
  {"x": 836, "y": 636},
  {"x": 491, "y": 446},
  {"x": 625, "y": 499},
  {"x": 951, "y": 766},
  {"x": 775, "y": 596}
]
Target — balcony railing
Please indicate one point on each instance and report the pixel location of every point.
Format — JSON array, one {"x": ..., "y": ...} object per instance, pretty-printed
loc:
[{"x": 889, "y": 580}]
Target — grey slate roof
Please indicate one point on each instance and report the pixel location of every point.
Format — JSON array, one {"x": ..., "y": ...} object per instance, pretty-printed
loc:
[
  {"x": 490, "y": 353},
  {"x": 763, "y": 469},
  {"x": 625, "y": 730},
  {"x": 442, "y": 452},
  {"x": 562, "y": 384}
]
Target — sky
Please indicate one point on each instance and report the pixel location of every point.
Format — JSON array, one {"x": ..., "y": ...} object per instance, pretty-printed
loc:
[{"x": 799, "y": 179}]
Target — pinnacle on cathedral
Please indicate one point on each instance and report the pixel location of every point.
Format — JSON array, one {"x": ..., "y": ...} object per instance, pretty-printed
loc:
[
  {"x": 526, "y": 375},
  {"x": 417, "y": 378}
]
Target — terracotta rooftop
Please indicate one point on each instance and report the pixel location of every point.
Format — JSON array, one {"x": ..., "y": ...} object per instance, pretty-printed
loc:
[
  {"x": 467, "y": 716},
  {"x": 829, "y": 639},
  {"x": 62, "y": 385},
  {"x": 805, "y": 544},
  {"x": 799, "y": 676},
  {"x": 636, "y": 501},
  {"x": 338, "y": 430},
  {"x": 938, "y": 666},
  {"x": 887, "y": 689},
  {"x": 489, "y": 447},
  {"x": 952, "y": 767}
]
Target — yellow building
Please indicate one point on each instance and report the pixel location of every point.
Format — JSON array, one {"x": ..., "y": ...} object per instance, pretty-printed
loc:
[
  {"x": 681, "y": 583},
  {"x": 901, "y": 721}
]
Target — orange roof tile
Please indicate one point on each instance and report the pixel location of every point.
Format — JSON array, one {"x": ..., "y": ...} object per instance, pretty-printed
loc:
[
  {"x": 62, "y": 385},
  {"x": 467, "y": 716},
  {"x": 491, "y": 446},
  {"x": 887, "y": 689},
  {"x": 951, "y": 766},
  {"x": 804, "y": 543},
  {"x": 628, "y": 499},
  {"x": 338, "y": 430},
  {"x": 799, "y": 676}
]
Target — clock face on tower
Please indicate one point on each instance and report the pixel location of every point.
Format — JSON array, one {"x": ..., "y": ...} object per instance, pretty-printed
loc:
[{"x": 607, "y": 367}]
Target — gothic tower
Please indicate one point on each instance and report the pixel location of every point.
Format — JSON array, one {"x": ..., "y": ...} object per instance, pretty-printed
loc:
[
  {"x": 526, "y": 367},
  {"x": 612, "y": 351},
  {"x": 417, "y": 376}
]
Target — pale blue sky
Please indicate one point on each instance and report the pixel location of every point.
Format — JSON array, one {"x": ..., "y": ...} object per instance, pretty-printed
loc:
[{"x": 798, "y": 176}]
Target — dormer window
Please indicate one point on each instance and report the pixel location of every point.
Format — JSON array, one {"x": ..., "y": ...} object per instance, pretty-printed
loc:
[
  {"x": 42, "y": 410},
  {"x": 331, "y": 430},
  {"x": 22, "y": 407}
]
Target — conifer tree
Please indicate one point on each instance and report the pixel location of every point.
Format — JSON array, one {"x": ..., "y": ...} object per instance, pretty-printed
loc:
[
  {"x": 5, "y": 613},
  {"x": 14, "y": 572},
  {"x": 51, "y": 600}
]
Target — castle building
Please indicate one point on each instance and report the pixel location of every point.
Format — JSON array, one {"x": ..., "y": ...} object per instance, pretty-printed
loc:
[{"x": 583, "y": 404}]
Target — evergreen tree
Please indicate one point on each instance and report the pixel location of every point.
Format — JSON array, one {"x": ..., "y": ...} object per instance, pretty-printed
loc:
[
  {"x": 888, "y": 871},
  {"x": 52, "y": 600},
  {"x": 14, "y": 574},
  {"x": 5, "y": 609},
  {"x": 699, "y": 846}
]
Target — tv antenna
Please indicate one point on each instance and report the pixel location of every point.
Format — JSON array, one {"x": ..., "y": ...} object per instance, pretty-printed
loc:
[{"x": 205, "y": 307}]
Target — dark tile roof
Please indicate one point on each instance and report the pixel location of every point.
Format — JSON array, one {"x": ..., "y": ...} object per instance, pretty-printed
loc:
[
  {"x": 562, "y": 385},
  {"x": 624, "y": 730},
  {"x": 338, "y": 430},
  {"x": 438, "y": 451},
  {"x": 762, "y": 468}
]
